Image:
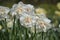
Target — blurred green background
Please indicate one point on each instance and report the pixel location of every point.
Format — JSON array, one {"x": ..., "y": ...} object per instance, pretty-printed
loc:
[{"x": 49, "y": 5}]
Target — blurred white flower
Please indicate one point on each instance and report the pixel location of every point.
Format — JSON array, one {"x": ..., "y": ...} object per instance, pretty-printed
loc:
[
  {"x": 59, "y": 25},
  {"x": 0, "y": 27},
  {"x": 57, "y": 13},
  {"x": 27, "y": 20},
  {"x": 4, "y": 12},
  {"x": 16, "y": 10},
  {"x": 58, "y": 5},
  {"x": 29, "y": 9},
  {"x": 10, "y": 24},
  {"x": 42, "y": 25},
  {"x": 40, "y": 11},
  {"x": 20, "y": 8}
]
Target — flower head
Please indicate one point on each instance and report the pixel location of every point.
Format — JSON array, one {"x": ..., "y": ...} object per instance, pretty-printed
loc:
[
  {"x": 40, "y": 10},
  {"x": 27, "y": 20},
  {"x": 29, "y": 9},
  {"x": 58, "y": 5},
  {"x": 16, "y": 10},
  {"x": 10, "y": 24},
  {"x": 42, "y": 25},
  {"x": 4, "y": 12},
  {"x": 21, "y": 8},
  {"x": 57, "y": 13}
]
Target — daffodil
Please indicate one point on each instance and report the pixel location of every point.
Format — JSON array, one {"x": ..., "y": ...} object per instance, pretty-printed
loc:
[
  {"x": 27, "y": 20},
  {"x": 41, "y": 25},
  {"x": 57, "y": 13},
  {"x": 58, "y": 5},
  {"x": 29, "y": 9},
  {"x": 21, "y": 8},
  {"x": 4, "y": 12},
  {"x": 17, "y": 9},
  {"x": 40, "y": 11},
  {"x": 10, "y": 24}
]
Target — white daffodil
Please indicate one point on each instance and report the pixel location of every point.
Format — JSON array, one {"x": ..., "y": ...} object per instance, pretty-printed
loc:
[
  {"x": 17, "y": 10},
  {"x": 58, "y": 5},
  {"x": 29, "y": 9},
  {"x": 0, "y": 27},
  {"x": 41, "y": 25},
  {"x": 59, "y": 25},
  {"x": 21, "y": 8},
  {"x": 27, "y": 20},
  {"x": 40, "y": 11},
  {"x": 57, "y": 13},
  {"x": 4, "y": 12},
  {"x": 44, "y": 18},
  {"x": 10, "y": 24},
  {"x": 41, "y": 14}
]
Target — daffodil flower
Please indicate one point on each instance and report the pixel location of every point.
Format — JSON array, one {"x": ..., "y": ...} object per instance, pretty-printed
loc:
[
  {"x": 27, "y": 20},
  {"x": 58, "y": 5},
  {"x": 4, "y": 12},
  {"x": 57, "y": 13},
  {"x": 16, "y": 10},
  {"x": 29, "y": 9},
  {"x": 10, "y": 24},
  {"x": 40, "y": 11},
  {"x": 43, "y": 25}
]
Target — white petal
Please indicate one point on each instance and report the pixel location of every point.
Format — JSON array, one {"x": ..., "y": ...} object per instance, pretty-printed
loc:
[{"x": 47, "y": 20}]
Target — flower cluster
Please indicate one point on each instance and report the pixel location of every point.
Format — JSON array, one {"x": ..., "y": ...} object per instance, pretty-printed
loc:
[{"x": 28, "y": 15}]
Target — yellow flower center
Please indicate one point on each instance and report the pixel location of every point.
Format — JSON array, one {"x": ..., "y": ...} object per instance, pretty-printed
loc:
[
  {"x": 28, "y": 20},
  {"x": 19, "y": 10},
  {"x": 41, "y": 23}
]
